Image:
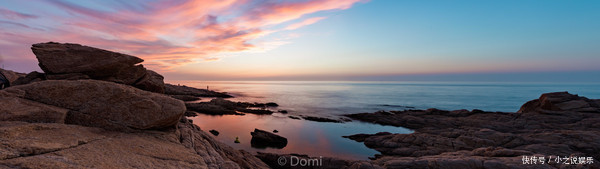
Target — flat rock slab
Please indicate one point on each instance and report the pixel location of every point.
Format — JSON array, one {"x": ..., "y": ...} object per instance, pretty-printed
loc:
[{"x": 57, "y": 58}]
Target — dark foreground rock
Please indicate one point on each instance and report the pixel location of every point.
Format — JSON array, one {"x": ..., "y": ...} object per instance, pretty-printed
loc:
[
  {"x": 556, "y": 124},
  {"x": 263, "y": 139},
  {"x": 221, "y": 106},
  {"x": 320, "y": 119},
  {"x": 289, "y": 161},
  {"x": 186, "y": 98}
]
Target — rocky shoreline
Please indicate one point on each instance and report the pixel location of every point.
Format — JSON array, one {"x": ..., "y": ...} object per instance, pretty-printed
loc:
[
  {"x": 93, "y": 108},
  {"x": 556, "y": 124}
]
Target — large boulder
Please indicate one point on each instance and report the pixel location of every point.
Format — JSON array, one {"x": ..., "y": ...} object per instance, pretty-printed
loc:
[
  {"x": 57, "y": 58},
  {"x": 151, "y": 81},
  {"x": 75, "y": 62},
  {"x": 104, "y": 104}
]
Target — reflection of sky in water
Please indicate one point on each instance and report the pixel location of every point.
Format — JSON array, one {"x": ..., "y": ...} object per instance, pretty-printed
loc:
[
  {"x": 304, "y": 137},
  {"x": 335, "y": 98}
]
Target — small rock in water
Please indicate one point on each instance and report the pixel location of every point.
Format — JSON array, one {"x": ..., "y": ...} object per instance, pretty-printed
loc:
[
  {"x": 271, "y": 104},
  {"x": 283, "y": 111},
  {"x": 275, "y": 131},
  {"x": 214, "y": 132},
  {"x": 237, "y": 140},
  {"x": 294, "y": 117}
]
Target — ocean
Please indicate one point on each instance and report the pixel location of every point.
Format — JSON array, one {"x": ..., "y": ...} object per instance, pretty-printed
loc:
[{"x": 334, "y": 98}]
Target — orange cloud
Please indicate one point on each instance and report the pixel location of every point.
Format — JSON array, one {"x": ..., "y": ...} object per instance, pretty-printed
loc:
[{"x": 165, "y": 33}]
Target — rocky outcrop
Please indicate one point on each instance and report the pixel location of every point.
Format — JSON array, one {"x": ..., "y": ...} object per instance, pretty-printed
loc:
[
  {"x": 104, "y": 104},
  {"x": 556, "y": 124},
  {"x": 185, "y": 97},
  {"x": 185, "y": 90},
  {"x": 221, "y": 106},
  {"x": 51, "y": 145},
  {"x": 151, "y": 81},
  {"x": 263, "y": 139},
  {"x": 75, "y": 62},
  {"x": 11, "y": 75},
  {"x": 214, "y": 151},
  {"x": 64, "y": 119},
  {"x": 57, "y": 58}
]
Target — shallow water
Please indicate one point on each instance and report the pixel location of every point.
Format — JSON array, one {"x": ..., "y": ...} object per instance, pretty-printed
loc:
[{"x": 331, "y": 99}]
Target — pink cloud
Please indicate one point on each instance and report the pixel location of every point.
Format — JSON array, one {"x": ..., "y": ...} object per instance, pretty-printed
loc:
[{"x": 165, "y": 33}]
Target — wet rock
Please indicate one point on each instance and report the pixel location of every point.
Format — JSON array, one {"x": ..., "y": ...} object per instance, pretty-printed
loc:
[
  {"x": 320, "y": 119},
  {"x": 210, "y": 109},
  {"x": 283, "y": 111},
  {"x": 263, "y": 139},
  {"x": 221, "y": 106},
  {"x": 185, "y": 90},
  {"x": 275, "y": 131},
  {"x": 185, "y": 97},
  {"x": 294, "y": 117},
  {"x": 104, "y": 104}
]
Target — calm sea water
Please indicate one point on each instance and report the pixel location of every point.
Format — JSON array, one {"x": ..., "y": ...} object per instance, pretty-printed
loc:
[{"x": 331, "y": 99}]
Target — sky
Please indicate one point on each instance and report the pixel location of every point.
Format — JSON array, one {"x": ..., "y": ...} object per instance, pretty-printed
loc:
[{"x": 500, "y": 40}]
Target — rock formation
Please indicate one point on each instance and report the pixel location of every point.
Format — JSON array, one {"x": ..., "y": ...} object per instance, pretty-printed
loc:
[
  {"x": 73, "y": 61},
  {"x": 88, "y": 111},
  {"x": 104, "y": 104},
  {"x": 221, "y": 106},
  {"x": 263, "y": 139},
  {"x": 556, "y": 124}
]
